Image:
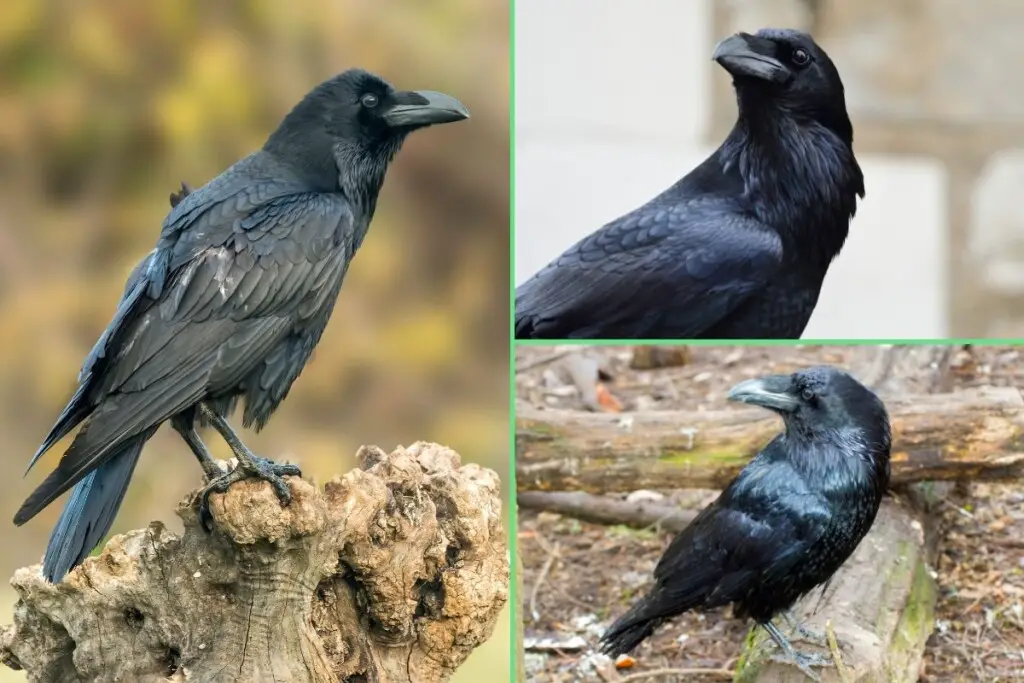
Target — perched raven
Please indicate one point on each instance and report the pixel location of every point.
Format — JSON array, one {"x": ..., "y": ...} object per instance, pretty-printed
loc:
[
  {"x": 787, "y": 522},
  {"x": 230, "y": 303},
  {"x": 739, "y": 247}
]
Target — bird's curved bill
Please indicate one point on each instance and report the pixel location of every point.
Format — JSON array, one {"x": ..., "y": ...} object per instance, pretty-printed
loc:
[
  {"x": 418, "y": 108},
  {"x": 745, "y": 55},
  {"x": 772, "y": 392}
]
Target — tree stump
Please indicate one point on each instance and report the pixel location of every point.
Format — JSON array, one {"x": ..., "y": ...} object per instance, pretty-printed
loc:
[{"x": 392, "y": 573}]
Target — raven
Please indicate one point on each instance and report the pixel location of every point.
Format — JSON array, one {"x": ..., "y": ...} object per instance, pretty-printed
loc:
[
  {"x": 790, "y": 518},
  {"x": 230, "y": 303},
  {"x": 740, "y": 246}
]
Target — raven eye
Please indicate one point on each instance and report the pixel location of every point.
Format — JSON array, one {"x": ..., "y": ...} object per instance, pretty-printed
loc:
[
  {"x": 369, "y": 100},
  {"x": 807, "y": 394},
  {"x": 800, "y": 56}
]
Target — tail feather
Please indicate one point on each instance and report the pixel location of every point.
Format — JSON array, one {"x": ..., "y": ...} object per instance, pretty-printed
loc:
[
  {"x": 73, "y": 414},
  {"x": 633, "y": 627},
  {"x": 90, "y": 510},
  {"x": 114, "y": 424}
]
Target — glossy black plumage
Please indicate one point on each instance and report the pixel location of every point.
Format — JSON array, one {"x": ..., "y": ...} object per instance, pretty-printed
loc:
[
  {"x": 791, "y": 517},
  {"x": 232, "y": 300},
  {"x": 738, "y": 248}
]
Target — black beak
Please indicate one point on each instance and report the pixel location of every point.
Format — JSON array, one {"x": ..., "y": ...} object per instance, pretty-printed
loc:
[
  {"x": 772, "y": 392},
  {"x": 746, "y": 55},
  {"x": 418, "y": 108}
]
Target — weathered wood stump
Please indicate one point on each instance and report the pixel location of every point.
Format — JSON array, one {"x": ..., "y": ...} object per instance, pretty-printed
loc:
[{"x": 392, "y": 573}]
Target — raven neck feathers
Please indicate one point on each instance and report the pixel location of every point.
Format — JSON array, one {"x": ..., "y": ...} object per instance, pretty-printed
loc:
[
  {"x": 361, "y": 168},
  {"x": 838, "y": 457},
  {"x": 799, "y": 177},
  {"x": 328, "y": 163}
]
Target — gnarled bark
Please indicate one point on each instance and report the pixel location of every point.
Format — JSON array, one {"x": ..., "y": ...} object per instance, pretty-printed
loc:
[
  {"x": 392, "y": 573},
  {"x": 976, "y": 434}
]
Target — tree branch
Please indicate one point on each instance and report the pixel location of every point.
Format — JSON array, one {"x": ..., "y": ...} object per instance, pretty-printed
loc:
[{"x": 604, "y": 510}]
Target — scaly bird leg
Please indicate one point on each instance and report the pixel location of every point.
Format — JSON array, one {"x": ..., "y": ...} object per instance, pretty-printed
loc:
[
  {"x": 191, "y": 437},
  {"x": 801, "y": 660},
  {"x": 249, "y": 466}
]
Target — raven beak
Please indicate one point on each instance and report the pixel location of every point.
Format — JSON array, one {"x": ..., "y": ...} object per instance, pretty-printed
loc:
[
  {"x": 770, "y": 392},
  {"x": 746, "y": 55},
  {"x": 418, "y": 108}
]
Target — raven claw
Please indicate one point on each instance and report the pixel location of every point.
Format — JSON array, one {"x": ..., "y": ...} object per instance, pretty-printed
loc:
[
  {"x": 804, "y": 662},
  {"x": 261, "y": 468},
  {"x": 808, "y": 635}
]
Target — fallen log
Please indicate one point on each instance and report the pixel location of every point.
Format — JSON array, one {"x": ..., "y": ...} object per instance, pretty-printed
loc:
[
  {"x": 605, "y": 510},
  {"x": 393, "y": 573},
  {"x": 974, "y": 434},
  {"x": 880, "y": 604}
]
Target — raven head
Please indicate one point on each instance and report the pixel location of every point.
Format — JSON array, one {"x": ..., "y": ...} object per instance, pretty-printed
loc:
[
  {"x": 820, "y": 400},
  {"x": 357, "y": 104},
  {"x": 787, "y": 70},
  {"x": 348, "y": 128}
]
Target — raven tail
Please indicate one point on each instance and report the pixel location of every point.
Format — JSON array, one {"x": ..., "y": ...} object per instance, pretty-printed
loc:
[
  {"x": 633, "y": 627},
  {"x": 90, "y": 510}
]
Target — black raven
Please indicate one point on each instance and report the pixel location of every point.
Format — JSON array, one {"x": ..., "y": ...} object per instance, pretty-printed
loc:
[
  {"x": 230, "y": 303},
  {"x": 739, "y": 247},
  {"x": 790, "y": 518}
]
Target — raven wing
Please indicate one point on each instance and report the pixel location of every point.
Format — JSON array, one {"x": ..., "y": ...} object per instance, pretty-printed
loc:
[
  {"x": 230, "y": 278},
  {"x": 757, "y": 531},
  {"x": 79, "y": 407},
  {"x": 661, "y": 271}
]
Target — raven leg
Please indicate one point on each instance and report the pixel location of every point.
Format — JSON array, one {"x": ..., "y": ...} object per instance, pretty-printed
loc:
[
  {"x": 801, "y": 660},
  {"x": 195, "y": 443},
  {"x": 249, "y": 466}
]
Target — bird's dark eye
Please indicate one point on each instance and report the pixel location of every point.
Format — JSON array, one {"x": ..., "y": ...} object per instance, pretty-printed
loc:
[
  {"x": 808, "y": 395},
  {"x": 800, "y": 57},
  {"x": 369, "y": 100}
]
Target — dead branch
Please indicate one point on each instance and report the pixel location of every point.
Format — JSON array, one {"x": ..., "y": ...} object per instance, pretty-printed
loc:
[
  {"x": 393, "y": 573},
  {"x": 976, "y": 434},
  {"x": 604, "y": 510}
]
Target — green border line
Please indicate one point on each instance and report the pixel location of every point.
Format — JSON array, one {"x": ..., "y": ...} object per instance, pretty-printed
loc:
[
  {"x": 514, "y": 661},
  {"x": 764, "y": 342}
]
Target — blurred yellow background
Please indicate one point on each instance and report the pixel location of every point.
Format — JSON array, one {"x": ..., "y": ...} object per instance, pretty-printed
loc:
[{"x": 106, "y": 105}]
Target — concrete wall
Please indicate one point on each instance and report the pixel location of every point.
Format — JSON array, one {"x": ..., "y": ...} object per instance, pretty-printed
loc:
[{"x": 616, "y": 100}]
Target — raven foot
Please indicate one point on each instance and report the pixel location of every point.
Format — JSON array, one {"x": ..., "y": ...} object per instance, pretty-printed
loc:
[
  {"x": 804, "y": 662},
  {"x": 258, "y": 468},
  {"x": 808, "y": 635},
  {"x": 801, "y": 660}
]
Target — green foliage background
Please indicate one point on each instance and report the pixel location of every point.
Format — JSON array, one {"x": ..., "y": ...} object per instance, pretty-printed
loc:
[{"x": 106, "y": 105}]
